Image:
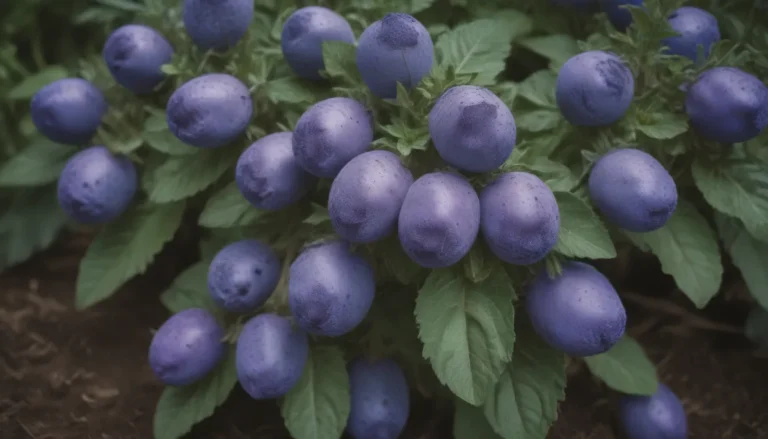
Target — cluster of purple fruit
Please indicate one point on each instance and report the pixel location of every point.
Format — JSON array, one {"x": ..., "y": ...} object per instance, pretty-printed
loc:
[{"x": 437, "y": 216}]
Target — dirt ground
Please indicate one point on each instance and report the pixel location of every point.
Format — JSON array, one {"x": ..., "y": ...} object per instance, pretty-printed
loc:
[{"x": 67, "y": 374}]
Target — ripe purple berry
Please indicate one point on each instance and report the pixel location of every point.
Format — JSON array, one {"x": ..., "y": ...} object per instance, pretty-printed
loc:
[
  {"x": 134, "y": 55},
  {"x": 68, "y": 111},
  {"x": 380, "y": 400},
  {"x": 217, "y": 24},
  {"x": 243, "y": 275},
  {"x": 660, "y": 415}
]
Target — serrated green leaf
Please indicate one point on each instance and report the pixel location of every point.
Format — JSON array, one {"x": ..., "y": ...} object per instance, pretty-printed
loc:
[
  {"x": 228, "y": 208},
  {"x": 625, "y": 368},
  {"x": 582, "y": 233},
  {"x": 538, "y": 120},
  {"x": 124, "y": 249},
  {"x": 190, "y": 290},
  {"x": 524, "y": 402},
  {"x": 318, "y": 406},
  {"x": 180, "y": 408},
  {"x": 469, "y": 422},
  {"x": 688, "y": 251},
  {"x": 184, "y": 176},
  {"x": 664, "y": 126},
  {"x": 737, "y": 187},
  {"x": 467, "y": 330},
  {"x": 539, "y": 88},
  {"x": 289, "y": 90},
  {"x": 748, "y": 254},
  {"x": 32, "y": 84},
  {"x": 557, "y": 48},
  {"x": 340, "y": 60},
  {"x": 479, "y": 263},
  {"x": 160, "y": 138},
  {"x": 38, "y": 164},
  {"x": 31, "y": 223},
  {"x": 481, "y": 46}
]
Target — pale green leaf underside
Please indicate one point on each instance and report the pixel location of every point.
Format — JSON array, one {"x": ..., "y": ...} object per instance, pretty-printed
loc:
[{"x": 625, "y": 368}]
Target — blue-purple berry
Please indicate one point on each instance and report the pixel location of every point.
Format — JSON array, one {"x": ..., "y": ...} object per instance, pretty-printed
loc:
[
  {"x": 243, "y": 275},
  {"x": 134, "y": 55},
  {"x": 217, "y": 24},
  {"x": 68, "y": 111},
  {"x": 380, "y": 400}
]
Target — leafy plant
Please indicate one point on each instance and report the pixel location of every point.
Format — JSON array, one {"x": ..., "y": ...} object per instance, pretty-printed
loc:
[{"x": 459, "y": 330}]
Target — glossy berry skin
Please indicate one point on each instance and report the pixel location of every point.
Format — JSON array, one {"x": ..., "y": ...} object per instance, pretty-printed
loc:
[
  {"x": 96, "y": 186},
  {"x": 68, "y": 111},
  {"x": 659, "y": 416},
  {"x": 134, "y": 55},
  {"x": 727, "y": 105},
  {"x": 578, "y": 312},
  {"x": 217, "y": 24},
  {"x": 270, "y": 356},
  {"x": 330, "y": 289},
  {"x": 268, "y": 175},
  {"x": 209, "y": 111},
  {"x": 696, "y": 27},
  {"x": 303, "y": 35},
  {"x": 633, "y": 190},
  {"x": 330, "y": 134},
  {"x": 397, "y": 48},
  {"x": 186, "y": 347},
  {"x": 439, "y": 220},
  {"x": 243, "y": 275},
  {"x": 519, "y": 218},
  {"x": 620, "y": 16},
  {"x": 366, "y": 196},
  {"x": 472, "y": 129},
  {"x": 594, "y": 88},
  {"x": 380, "y": 400}
]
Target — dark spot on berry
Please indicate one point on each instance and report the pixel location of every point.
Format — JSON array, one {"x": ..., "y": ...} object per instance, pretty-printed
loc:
[
  {"x": 122, "y": 49},
  {"x": 398, "y": 31},
  {"x": 298, "y": 25},
  {"x": 182, "y": 116},
  {"x": 477, "y": 117},
  {"x": 257, "y": 271},
  {"x": 614, "y": 75}
]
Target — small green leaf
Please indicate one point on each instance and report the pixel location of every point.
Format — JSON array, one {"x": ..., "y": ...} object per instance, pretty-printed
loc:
[
  {"x": 469, "y": 422},
  {"x": 340, "y": 60},
  {"x": 124, "y": 249},
  {"x": 538, "y": 120},
  {"x": 289, "y": 90},
  {"x": 31, "y": 223},
  {"x": 318, "y": 216},
  {"x": 664, "y": 126},
  {"x": 625, "y": 368},
  {"x": 539, "y": 88},
  {"x": 32, "y": 84},
  {"x": 582, "y": 233},
  {"x": 190, "y": 290},
  {"x": 318, "y": 406},
  {"x": 38, "y": 164},
  {"x": 524, "y": 401},
  {"x": 737, "y": 187},
  {"x": 228, "y": 208},
  {"x": 479, "y": 263},
  {"x": 467, "y": 330},
  {"x": 184, "y": 176},
  {"x": 557, "y": 48},
  {"x": 748, "y": 254},
  {"x": 159, "y": 137},
  {"x": 180, "y": 408},
  {"x": 687, "y": 249}
]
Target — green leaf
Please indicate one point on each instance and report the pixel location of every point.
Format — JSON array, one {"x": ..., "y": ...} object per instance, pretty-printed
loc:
[
  {"x": 582, "y": 233},
  {"x": 32, "y": 84},
  {"x": 159, "y": 137},
  {"x": 184, "y": 176},
  {"x": 290, "y": 90},
  {"x": 190, "y": 290},
  {"x": 180, "y": 408},
  {"x": 32, "y": 222},
  {"x": 687, "y": 249},
  {"x": 524, "y": 401},
  {"x": 340, "y": 60},
  {"x": 557, "y": 48},
  {"x": 479, "y": 263},
  {"x": 402, "y": 268},
  {"x": 38, "y": 164},
  {"x": 124, "y": 249},
  {"x": 748, "y": 254},
  {"x": 625, "y": 368},
  {"x": 664, "y": 126},
  {"x": 539, "y": 88},
  {"x": 737, "y": 187},
  {"x": 481, "y": 46},
  {"x": 318, "y": 216},
  {"x": 318, "y": 406},
  {"x": 469, "y": 422},
  {"x": 467, "y": 330},
  {"x": 538, "y": 120},
  {"x": 228, "y": 208}
]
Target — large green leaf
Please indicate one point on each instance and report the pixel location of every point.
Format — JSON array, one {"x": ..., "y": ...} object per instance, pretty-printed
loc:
[
  {"x": 124, "y": 249},
  {"x": 582, "y": 233},
  {"x": 318, "y": 406},
  {"x": 228, "y": 208},
  {"x": 190, "y": 290},
  {"x": 38, "y": 164},
  {"x": 748, "y": 254},
  {"x": 469, "y": 422},
  {"x": 181, "y": 177},
  {"x": 467, "y": 329},
  {"x": 625, "y": 368}
]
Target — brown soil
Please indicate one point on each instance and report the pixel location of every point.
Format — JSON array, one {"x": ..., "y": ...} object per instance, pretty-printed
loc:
[{"x": 67, "y": 374}]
